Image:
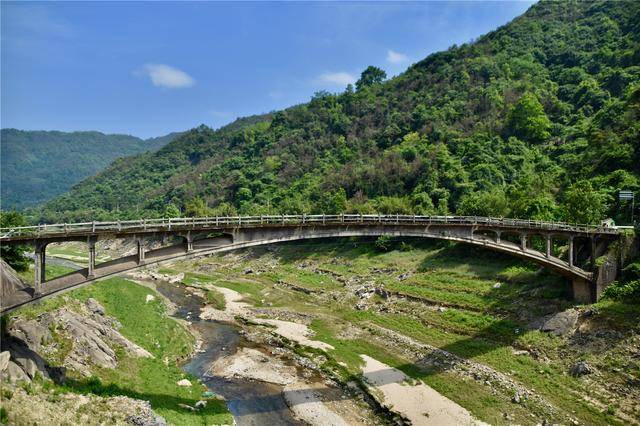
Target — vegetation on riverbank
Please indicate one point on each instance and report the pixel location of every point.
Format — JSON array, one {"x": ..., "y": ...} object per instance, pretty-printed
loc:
[{"x": 474, "y": 304}]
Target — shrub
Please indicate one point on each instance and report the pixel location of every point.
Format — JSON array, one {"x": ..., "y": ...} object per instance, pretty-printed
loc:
[
  {"x": 628, "y": 292},
  {"x": 383, "y": 243}
]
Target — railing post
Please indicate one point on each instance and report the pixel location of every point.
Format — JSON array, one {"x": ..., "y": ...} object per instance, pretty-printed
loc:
[
  {"x": 93, "y": 226},
  {"x": 341, "y": 217},
  {"x": 66, "y": 231},
  {"x": 414, "y": 219},
  {"x": 261, "y": 220},
  {"x": 397, "y": 218},
  {"x": 304, "y": 218},
  {"x": 324, "y": 219}
]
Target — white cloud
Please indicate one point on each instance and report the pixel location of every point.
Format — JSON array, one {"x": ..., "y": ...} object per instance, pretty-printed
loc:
[
  {"x": 165, "y": 76},
  {"x": 337, "y": 78},
  {"x": 396, "y": 57}
]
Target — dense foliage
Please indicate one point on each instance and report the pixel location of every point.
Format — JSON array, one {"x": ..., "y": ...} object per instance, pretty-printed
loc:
[
  {"x": 538, "y": 119},
  {"x": 37, "y": 165}
]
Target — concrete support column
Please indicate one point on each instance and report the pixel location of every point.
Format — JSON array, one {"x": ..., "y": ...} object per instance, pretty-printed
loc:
[
  {"x": 39, "y": 267},
  {"x": 523, "y": 242},
  {"x": 571, "y": 252},
  {"x": 582, "y": 291},
  {"x": 547, "y": 252},
  {"x": 189, "y": 239},
  {"x": 140, "y": 251},
  {"x": 91, "y": 242},
  {"x": 498, "y": 237}
]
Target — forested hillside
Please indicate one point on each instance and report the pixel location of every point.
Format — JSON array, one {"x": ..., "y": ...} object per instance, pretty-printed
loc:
[
  {"x": 38, "y": 165},
  {"x": 538, "y": 119}
]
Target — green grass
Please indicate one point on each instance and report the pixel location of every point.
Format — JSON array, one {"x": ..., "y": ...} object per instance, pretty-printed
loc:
[
  {"x": 482, "y": 323},
  {"x": 146, "y": 324}
]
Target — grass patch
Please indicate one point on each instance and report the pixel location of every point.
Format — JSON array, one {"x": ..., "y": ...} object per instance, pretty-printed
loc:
[{"x": 152, "y": 379}]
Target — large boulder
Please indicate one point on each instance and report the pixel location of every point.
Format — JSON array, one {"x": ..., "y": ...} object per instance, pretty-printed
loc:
[
  {"x": 31, "y": 332},
  {"x": 562, "y": 323}
]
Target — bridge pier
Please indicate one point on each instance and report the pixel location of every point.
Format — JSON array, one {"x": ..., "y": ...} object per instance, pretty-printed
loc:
[
  {"x": 583, "y": 291},
  {"x": 91, "y": 242},
  {"x": 523, "y": 242},
  {"x": 39, "y": 267},
  {"x": 189, "y": 240},
  {"x": 570, "y": 251},
  {"x": 141, "y": 252}
]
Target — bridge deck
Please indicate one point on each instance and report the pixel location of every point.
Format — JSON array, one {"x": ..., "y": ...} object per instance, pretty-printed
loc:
[{"x": 142, "y": 226}]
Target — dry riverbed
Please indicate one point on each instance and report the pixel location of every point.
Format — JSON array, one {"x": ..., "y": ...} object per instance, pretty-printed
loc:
[{"x": 417, "y": 403}]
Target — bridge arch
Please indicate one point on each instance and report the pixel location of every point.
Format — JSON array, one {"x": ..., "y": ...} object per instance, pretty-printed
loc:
[{"x": 204, "y": 236}]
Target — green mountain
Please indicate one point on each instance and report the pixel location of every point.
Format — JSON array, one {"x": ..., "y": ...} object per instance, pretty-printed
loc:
[
  {"x": 538, "y": 119},
  {"x": 38, "y": 165}
]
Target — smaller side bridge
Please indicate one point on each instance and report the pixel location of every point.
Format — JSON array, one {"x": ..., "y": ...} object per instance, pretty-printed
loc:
[{"x": 203, "y": 236}]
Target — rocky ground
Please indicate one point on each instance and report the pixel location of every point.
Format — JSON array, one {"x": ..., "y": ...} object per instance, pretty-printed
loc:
[
  {"x": 500, "y": 331},
  {"x": 81, "y": 337},
  {"x": 352, "y": 334}
]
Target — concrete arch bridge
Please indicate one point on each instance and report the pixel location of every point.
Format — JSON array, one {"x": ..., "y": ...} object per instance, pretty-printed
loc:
[{"x": 192, "y": 237}]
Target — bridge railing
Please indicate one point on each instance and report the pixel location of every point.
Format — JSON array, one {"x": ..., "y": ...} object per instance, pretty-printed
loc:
[{"x": 168, "y": 224}]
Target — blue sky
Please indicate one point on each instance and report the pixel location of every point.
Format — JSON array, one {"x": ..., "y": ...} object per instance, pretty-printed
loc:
[{"x": 149, "y": 68}]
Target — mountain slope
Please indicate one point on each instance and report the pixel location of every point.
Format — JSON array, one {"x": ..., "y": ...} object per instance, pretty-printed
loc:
[
  {"x": 38, "y": 165},
  {"x": 537, "y": 119}
]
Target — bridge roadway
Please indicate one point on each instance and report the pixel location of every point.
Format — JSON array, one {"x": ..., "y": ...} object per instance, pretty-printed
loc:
[{"x": 203, "y": 236}]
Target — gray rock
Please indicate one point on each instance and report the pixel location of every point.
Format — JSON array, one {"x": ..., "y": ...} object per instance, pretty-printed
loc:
[
  {"x": 561, "y": 323},
  {"x": 580, "y": 368},
  {"x": 4, "y": 360},
  {"x": 25, "y": 359},
  {"x": 517, "y": 398},
  {"x": 14, "y": 373},
  {"x": 94, "y": 306},
  {"x": 32, "y": 333}
]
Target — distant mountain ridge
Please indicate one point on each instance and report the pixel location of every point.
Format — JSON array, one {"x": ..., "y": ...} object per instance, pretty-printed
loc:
[{"x": 36, "y": 166}]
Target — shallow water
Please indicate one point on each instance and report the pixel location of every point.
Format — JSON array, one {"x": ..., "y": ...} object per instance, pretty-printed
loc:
[{"x": 251, "y": 403}]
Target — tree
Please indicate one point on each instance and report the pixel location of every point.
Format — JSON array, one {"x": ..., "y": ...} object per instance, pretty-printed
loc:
[
  {"x": 486, "y": 203},
  {"x": 583, "y": 204},
  {"x": 527, "y": 120},
  {"x": 372, "y": 75},
  {"x": 13, "y": 255},
  {"x": 196, "y": 207},
  {"x": 171, "y": 211}
]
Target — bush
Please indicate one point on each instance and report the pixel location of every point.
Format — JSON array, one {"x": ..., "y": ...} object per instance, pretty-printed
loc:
[
  {"x": 383, "y": 243},
  {"x": 628, "y": 292}
]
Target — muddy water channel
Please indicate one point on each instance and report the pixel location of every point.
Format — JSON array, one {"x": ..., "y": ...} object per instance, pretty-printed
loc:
[{"x": 250, "y": 402}]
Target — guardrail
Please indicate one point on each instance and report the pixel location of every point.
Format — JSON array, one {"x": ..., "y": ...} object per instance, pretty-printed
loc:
[{"x": 168, "y": 224}]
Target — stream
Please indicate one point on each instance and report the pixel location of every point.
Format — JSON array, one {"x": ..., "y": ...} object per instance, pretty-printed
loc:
[{"x": 250, "y": 402}]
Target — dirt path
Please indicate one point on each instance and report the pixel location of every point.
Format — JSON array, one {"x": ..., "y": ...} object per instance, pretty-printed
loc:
[{"x": 419, "y": 403}]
